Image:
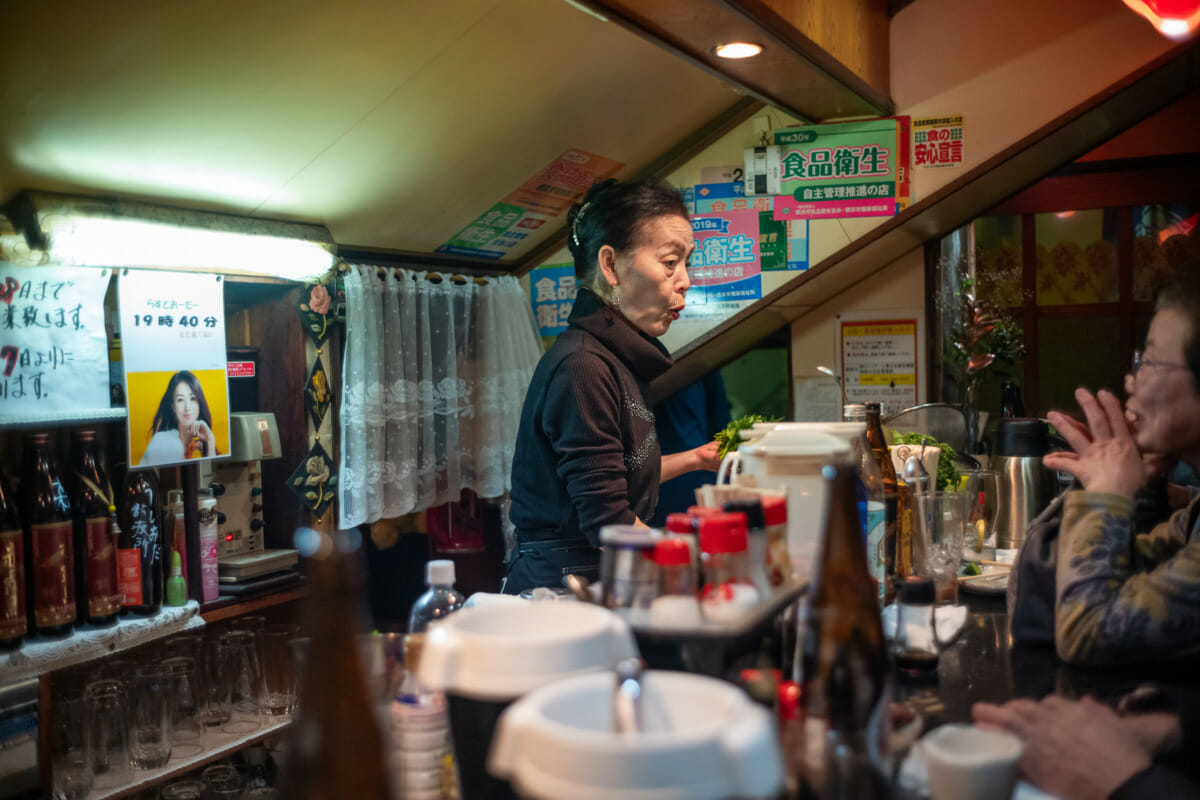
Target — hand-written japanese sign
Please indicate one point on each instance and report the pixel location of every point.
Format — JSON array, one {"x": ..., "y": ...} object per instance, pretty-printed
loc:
[
  {"x": 173, "y": 342},
  {"x": 725, "y": 264},
  {"x": 552, "y": 291},
  {"x": 938, "y": 141},
  {"x": 53, "y": 353},
  {"x": 879, "y": 362}
]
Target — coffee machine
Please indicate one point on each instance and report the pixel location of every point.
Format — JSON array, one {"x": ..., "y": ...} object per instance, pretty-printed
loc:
[{"x": 236, "y": 483}]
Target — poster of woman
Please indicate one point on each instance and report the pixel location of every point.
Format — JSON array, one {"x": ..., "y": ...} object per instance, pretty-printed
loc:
[{"x": 173, "y": 343}]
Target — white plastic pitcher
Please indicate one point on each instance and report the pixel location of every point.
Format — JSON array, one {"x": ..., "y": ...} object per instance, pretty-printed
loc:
[{"x": 790, "y": 459}]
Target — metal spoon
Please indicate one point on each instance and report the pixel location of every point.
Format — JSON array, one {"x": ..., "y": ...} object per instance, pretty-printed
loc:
[{"x": 627, "y": 698}]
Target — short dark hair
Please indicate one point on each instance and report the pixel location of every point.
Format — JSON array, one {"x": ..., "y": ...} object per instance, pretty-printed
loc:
[
  {"x": 1181, "y": 290},
  {"x": 615, "y": 213}
]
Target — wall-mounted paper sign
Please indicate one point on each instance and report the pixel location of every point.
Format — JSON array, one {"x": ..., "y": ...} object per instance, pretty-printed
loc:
[
  {"x": 552, "y": 291},
  {"x": 881, "y": 358},
  {"x": 53, "y": 353},
  {"x": 173, "y": 341},
  {"x": 725, "y": 264}
]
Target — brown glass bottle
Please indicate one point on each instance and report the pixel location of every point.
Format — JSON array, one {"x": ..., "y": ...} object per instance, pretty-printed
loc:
[
  {"x": 49, "y": 550},
  {"x": 94, "y": 516},
  {"x": 891, "y": 496},
  {"x": 336, "y": 748},
  {"x": 845, "y": 663},
  {"x": 140, "y": 543},
  {"x": 13, "y": 624}
]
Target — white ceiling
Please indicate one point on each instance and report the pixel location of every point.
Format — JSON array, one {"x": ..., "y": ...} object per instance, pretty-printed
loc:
[{"x": 392, "y": 122}]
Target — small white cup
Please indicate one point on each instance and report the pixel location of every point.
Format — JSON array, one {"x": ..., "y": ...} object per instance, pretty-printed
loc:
[{"x": 969, "y": 763}]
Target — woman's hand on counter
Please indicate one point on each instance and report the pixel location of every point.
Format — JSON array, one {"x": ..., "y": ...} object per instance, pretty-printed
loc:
[{"x": 703, "y": 457}]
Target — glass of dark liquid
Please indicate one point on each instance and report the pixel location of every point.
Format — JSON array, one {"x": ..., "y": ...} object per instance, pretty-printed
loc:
[{"x": 917, "y": 644}]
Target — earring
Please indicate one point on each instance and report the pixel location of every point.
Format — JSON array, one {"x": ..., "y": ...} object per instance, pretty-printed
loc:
[{"x": 616, "y": 298}]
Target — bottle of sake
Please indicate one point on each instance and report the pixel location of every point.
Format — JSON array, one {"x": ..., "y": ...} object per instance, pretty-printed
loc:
[
  {"x": 49, "y": 546},
  {"x": 336, "y": 748},
  {"x": 140, "y": 568},
  {"x": 94, "y": 515},
  {"x": 845, "y": 669},
  {"x": 13, "y": 625}
]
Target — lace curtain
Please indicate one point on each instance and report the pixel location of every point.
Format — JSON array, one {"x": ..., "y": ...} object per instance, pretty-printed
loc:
[{"x": 434, "y": 378}]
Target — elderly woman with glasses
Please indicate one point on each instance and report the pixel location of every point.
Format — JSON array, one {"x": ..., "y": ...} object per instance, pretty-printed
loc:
[{"x": 1121, "y": 597}]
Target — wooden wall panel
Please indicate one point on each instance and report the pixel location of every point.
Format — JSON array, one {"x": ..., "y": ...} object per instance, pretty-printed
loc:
[{"x": 855, "y": 32}]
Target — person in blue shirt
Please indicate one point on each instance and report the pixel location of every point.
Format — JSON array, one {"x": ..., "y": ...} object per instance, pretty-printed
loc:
[{"x": 685, "y": 420}]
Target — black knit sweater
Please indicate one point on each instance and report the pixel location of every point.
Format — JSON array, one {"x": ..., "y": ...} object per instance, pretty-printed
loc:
[{"x": 587, "y": 454}]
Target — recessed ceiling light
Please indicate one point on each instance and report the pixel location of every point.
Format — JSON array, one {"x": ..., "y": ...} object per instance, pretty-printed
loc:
[{"x": 737, "y": 50}]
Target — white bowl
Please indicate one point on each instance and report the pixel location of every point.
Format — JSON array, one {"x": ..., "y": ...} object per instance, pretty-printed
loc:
[
  {"x": 499, "y": 651},
  {"x": 702, "y": 739}
]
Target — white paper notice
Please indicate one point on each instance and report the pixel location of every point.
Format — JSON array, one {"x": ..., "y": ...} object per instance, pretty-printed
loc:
[
  {"x": 53, "y": 350},
  {"x": 879, "y": 362},
  {"x": 173, "y": 341}
]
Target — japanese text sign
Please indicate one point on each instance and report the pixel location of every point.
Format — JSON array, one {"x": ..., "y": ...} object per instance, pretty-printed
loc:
[
  {"x": 938, "y": 141},
  {"x": 508, "y": 224},
  {"x": 725, "y": 264},
  {"x": 173, "y": 342},
  {"x": 563, "y": 181},
  {"x": 552, "y": 292},
  {"x": 843, "y": 169},
  {"x": 783, "y": 245},
  {"x": 879, "y": 362},
  {"x": 53, "y": 350}
]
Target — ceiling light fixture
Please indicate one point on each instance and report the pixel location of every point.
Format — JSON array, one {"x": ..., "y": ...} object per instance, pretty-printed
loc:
[
  {"x": 113, "y": 233},
  {"x": 737, "y": 50},
  {"x": 1175, "y": 19}
]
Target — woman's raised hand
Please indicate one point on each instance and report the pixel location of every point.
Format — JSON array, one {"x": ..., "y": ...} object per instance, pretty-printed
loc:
[{"x": 1105, "y": 457}]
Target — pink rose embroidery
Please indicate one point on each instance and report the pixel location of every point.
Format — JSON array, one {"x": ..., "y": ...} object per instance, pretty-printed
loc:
[{"x": 319, "y": 299}]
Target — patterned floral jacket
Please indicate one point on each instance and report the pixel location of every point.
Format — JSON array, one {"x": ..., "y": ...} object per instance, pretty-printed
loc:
[{"x": 1124, "y": 599}]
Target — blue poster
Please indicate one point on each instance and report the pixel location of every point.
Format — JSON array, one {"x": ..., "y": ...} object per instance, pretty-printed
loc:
[{"x": 552, "y": 292}]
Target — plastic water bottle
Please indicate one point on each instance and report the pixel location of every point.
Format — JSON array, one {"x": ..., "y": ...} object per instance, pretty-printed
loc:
[
  {"x": 422, "y": 759},
  {"x": 439, "y": 600}
]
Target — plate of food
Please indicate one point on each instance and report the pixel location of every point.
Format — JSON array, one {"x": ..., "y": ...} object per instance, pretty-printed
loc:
[{"x": 992, "y": 582}]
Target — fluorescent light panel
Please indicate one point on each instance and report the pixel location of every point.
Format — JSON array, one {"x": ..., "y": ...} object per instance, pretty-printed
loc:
[{"x": 136, "y": 243}]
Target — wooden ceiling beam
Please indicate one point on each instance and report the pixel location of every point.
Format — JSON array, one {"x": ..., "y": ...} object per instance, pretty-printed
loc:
[{"x": 793, "y": 73}]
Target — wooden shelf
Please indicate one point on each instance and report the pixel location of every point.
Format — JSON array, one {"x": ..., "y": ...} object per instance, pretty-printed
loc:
[
  {"x": 217, "y": 746},
  {"x": 227, "y": 607}
]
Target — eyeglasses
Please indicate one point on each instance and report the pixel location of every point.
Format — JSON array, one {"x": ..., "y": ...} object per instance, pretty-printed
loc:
[{"x": 1140, "y": 360}]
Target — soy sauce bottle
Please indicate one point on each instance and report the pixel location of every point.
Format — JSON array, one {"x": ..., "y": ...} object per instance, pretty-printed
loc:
[
  {"x": 140, "y": 576},
  {"x": 49, "y": 545},
  {"x": 13, "y": 624}
]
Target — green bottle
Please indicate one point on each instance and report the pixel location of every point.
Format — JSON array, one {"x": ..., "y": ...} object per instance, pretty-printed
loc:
[{"x": 176, "y": 585}]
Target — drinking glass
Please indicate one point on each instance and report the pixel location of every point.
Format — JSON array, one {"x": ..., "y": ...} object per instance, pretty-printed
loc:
[
  {"x": 107, "y": 734},
  {"x": 69, "y": 749},
  {"x": 186, "y": 789},
  {"x": 241, "y": 679},
  {"x": 982, "y": 488},
  {"x": 222, "y": 782},
  {"x": 216, "y": 709},
  {"x": 187, "y": 706},
  {"x": 279, "y": 669},
  {"x": 150, "y": 707},
  {"x": 942, "y": 520}
]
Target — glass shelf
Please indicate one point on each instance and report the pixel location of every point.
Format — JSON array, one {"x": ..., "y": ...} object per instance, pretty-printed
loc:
[{"x": 216, "y": 745}]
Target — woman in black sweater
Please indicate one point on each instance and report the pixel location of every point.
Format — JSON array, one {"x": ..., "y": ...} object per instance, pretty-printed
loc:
[{"x": 587, "y": 454}]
